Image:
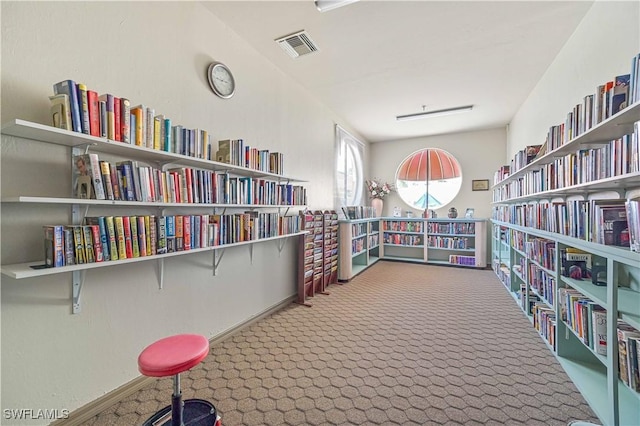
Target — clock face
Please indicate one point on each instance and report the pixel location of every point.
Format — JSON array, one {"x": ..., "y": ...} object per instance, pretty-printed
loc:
[{"x": 221, "y": 80}]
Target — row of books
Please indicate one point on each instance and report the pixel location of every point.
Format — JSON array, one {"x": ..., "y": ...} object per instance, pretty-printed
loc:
[
  {"x": 544, "y": 321},
  {"x": 131, "y": 181},
  {"x": 449, "y": 242},
  {"x": 628, "y": 355},
  {"x": 608, "y": 222},
  {"x": 110, "y": 238},
  {"x": 608, "y": 99},
  {"x": 618, "y": 158},
  {"x": 451, "y": 228},
  {"x": 75, "y": 107},
  {"x": 374, "y": 240},
  {"x": 543, "y": 284},
  {"x": 357, "y": 246},
  {"x": 542, "y": 251},
  {"x": 517, "y": 240},
  {"x": 403, "y": 240},
  {"x": 585, "y": 317},
  {"x": 457, "y": 259},
  {"x": 358, "y": 212},
  {"x": 358, "y": 229},
  {"x": 403, "y": 226},
  {"x": 235, "y": 152}
]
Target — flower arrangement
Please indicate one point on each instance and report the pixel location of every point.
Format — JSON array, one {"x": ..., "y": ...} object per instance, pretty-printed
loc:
[{"x": 378, "y": 189}]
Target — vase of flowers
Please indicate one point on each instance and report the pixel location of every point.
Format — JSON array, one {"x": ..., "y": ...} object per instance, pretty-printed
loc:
[{"x": 377, "y": 191}]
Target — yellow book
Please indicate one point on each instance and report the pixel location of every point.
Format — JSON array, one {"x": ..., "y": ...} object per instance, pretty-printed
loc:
[
  {"x": 120, "y": 239},
  {"x": 157, "y": 137},
  {"x": 134, "y": 236},
  {"x": 147, "y": 233},
  {"x": 138, "y": 112},
  {"x": 111, "y": 235}
]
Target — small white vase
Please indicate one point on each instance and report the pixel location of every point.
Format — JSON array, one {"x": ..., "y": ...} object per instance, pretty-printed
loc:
[{"x": 377, "y": 204}]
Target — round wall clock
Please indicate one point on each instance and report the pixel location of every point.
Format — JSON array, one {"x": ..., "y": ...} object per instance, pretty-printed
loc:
[{"x": 221, "y": 80}]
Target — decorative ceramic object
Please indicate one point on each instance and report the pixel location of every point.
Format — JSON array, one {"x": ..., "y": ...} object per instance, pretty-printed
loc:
[
  {"x": 377, "y": 204},
  {"x": 453, "y": 213}
]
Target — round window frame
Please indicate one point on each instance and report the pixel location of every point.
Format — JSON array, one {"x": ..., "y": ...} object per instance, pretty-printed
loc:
[{"x": 443, "y": 204}]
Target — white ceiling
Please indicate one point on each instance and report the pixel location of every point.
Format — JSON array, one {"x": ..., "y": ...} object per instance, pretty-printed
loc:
[{"x": 380, "y": 59}]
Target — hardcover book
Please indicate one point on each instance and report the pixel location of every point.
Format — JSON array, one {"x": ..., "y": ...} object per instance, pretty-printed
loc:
[
  {"x": 54, "y": 249},
  {"x": 68, "y": 87}
]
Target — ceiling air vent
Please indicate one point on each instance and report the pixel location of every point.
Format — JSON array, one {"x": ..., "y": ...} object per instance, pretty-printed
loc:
[{"x": 297, "y": 44}]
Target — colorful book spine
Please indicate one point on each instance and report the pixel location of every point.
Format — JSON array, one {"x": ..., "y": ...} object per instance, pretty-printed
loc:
[
  {"x": 96, "y": 238},
  {"x": 120, "y": 237},
  {"x": 102, "y": 107},
  {"x": 140, "y": 128},
  {"x": 112, "y": 237},
  {"x": 110, "y": 115},
  {"x": 78, "y": 242},
  {"x": 125, "y": 120},
  {"x": 94, "y": 113},
  {"x": 179, "y": 230},
  {"x": 126, "y": 225},
  {"x": 84, "y": 108},
  {"x": 68, "y": 87},
  {"x": 150, "y": 127},
  {"x": 142, "y": 236},
  {"x": 54, "y": 248},
  {"x": 135, "y": 243},
  {"x": 90, "y": 254},
  {"x": 69, "y": 247}
]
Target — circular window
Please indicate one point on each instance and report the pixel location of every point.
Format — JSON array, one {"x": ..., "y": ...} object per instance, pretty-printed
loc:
[{"x": 429, "y": 179}]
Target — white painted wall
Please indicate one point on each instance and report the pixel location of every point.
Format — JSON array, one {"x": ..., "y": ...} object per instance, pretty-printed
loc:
[
  {"x": 154, "y": 53},
  {"x": 479, "y": 154},
  {"x": 600, "y": 49}
]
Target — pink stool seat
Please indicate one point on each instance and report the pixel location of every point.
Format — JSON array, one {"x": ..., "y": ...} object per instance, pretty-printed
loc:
[{"x": 173, "y": 355}]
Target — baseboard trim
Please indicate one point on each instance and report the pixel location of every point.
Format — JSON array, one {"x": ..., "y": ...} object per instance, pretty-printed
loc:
[{"x": 94, "y": 408}]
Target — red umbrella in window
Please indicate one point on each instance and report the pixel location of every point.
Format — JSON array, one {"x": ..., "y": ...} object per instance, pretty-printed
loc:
[{"x": 429, "y": 164}]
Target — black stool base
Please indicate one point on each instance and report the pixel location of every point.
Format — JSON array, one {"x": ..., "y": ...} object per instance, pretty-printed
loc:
[{"x": 196, "y": 412}]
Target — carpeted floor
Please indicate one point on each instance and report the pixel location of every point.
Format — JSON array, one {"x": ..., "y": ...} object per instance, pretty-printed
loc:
[{"x": 400, "y": 344}]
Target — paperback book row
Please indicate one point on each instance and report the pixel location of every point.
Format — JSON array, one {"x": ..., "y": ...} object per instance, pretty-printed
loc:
[
  {"x": 588, "y": 320},
  {"x": 619, "y": 157},
  {"x": 357, "y": 246},
  {"x": 542, "y": 251},
  {"x": 503, "y": 273},
  {"x": 110, "y": 238},
  {"x": 131, "y": 181},
  {"x": 608, "y": 222},
  {"x": 608, "y": 99},
  {"x": 75, "y": 107},
  {"x": 358, "y": 229},
  {"x": 403, "y": 240},
  {"x": 358, "y": 212},
  {"x": 518, "y": 240},
  {"x": 403, "y": 226},
  {"x": 374, "y": 240},
  {"x": 457, "y": 259},
  {"x": 451, "y": 228},
  {"x": 543, "y": 284},
  {"x": 544, "y": 320},
  {"x": 461, "y": 243}
]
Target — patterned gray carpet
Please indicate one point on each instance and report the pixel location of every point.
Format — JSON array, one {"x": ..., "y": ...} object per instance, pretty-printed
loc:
[{"x": 400, "y": 344}]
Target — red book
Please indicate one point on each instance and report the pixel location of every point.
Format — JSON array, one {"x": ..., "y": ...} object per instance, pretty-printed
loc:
[
  {"x": 189, "y": 185},
  {"x": 128, "y": 245},
  {"x": 186, "y": 232},
  {"x": 94, "y": 113},
  {"x": 117, "y": 107},
  {"x": 142, "y": 237},
  {"x": 97, "y": 243}
]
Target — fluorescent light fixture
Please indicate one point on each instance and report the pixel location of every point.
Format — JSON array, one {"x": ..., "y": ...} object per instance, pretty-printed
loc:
[
  {"x": 435, "y": 113},
  {"x": 326, "y": 5}
]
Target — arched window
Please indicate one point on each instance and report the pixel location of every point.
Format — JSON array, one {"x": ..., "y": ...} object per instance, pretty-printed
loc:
[
  {"x": 429, "y": 179},
  {"x": 349, "y": 169}
]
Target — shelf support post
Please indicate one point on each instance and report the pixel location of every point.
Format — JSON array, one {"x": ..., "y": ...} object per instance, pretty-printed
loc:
[
  {"x": 77, "y": 279},
  {"x": 160, "y": 274},
  {"x": 612, "y": 349},
  {"x": 251, "y": 253},
  {"x": 216, "y": 262}
]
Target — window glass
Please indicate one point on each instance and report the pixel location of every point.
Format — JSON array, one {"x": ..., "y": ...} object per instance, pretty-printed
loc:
[
  {"x": 429, "y": 179},
  {"x": 349, "y": 170}
]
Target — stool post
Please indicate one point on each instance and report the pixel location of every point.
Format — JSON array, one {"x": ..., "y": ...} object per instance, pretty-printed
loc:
[{"x": 176, "y": 403}]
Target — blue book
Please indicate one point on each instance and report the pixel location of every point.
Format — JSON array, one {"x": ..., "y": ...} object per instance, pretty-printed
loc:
[
  {"x": 167, "y": 135},
  {"x": 68, "y": 87},
  {"x": 104, "y": 238},
  {"x": 132, "y": 129}
]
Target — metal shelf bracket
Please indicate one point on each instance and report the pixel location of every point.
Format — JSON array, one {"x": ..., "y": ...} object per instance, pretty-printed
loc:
[
  {"x": 77, "y": 279},
  {"x": 216, "y": 260}
]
